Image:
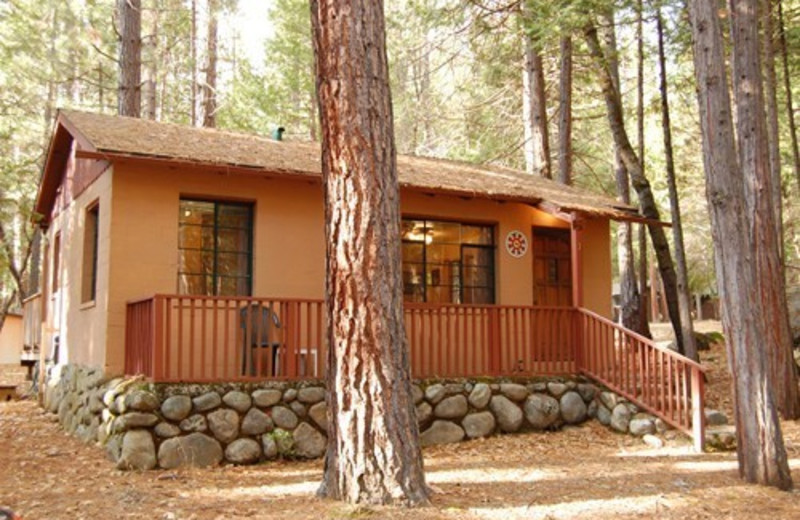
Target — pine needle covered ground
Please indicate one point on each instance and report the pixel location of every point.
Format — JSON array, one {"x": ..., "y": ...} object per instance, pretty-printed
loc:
[{"x": 580, "y": 472}]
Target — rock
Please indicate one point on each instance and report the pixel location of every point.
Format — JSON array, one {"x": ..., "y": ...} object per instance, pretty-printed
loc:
[
  {"x": 416, "y": 394},
  {"x": 138, "y": 451},
  {"x": 194, "y": 423},
  {"x": 454, "y": 388},
  {"x": 114, "y": 447},
  {"x": 239, "y": 401},
  {"x": 480, "y": 395},
  {"x": 284, "y": 418},
  {"x": 642, "y": 424},
  {"x": 591, "y": 410},
  {"x": 269, "y": 446},
  {"x": 196, "y": 449},
  {"x": 478, "y": 424},
  {"x": 424, "y": 413},
  {"x": 557, "y": 389},
  {"x": 661, "y": 426},
  {"x": 243, "y": 451},
  {"x": 441, "y": 432},
  {"x": 224, "y": 424},
  {"x": 133, "y": 420},
  {"x": 508, "y": 415},
  {"x": 290, "y": 395},
  {"x": 176, "y": 408},
  {"x": 435, "y": 393},
  {"x": 283, "y": 440},
  {"x": 298, "y": 408},
  {"x": 587, "y": 391},
  {"x": 609, "y": 399},
  {"x": 96, "y": 404},
  {"x": 541, "y": 411},
  {"x": 653, "y": 441},
  {"x": 715, "y": 417},
  {"x": 603, "y": 415},
  {"x": 256, "y": 422},
  {"x": 311, "y": 394},
  {"x": 308, "y": 442},
  {"x": 141, "y": 401},
  {"x": 721, "y": 438},
  {"x": 514, "y": 391},
  {"x": 538, "y": 387},
  {"x": 166, "y": 430},
  {"x": 319, "y": 414},
  {"x": 207, "y": 401},
  {"x": 453, "y": 407},
  {"x": 573, "y": 408},
  {"x": 620, "y": 418},
  {"x": 266, "y": 398}
]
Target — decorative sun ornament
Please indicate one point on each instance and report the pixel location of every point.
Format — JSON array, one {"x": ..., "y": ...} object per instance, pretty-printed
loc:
[{"x": 516, "y": 244}]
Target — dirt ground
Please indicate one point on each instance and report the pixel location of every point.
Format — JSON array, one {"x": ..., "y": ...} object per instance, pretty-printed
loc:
[{"x": 580, "y": 472}]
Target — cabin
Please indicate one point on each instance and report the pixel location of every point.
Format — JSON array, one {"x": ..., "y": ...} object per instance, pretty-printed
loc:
[{"x": 197, "y": 255}]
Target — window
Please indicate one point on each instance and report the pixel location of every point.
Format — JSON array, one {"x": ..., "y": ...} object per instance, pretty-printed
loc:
[
  {"x": 447, "y": 262},
  {"x": 90, "y": 246},
  {"x": 215, "y": 248}
]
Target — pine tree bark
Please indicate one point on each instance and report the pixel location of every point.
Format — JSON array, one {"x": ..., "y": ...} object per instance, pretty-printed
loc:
[
  {"x": 773, "y": 134},
  {"x": 534, "y": 106},
  {"x": 640, "y": 183},
  {"x": 210, "y": 85},
  {"x": 760, "y": 448},
  {"x": 644, "y": 324},
  {"x": 751, "y": 130},
  {"x": 150, "y": 66},
  {"x": 130, "y": 57},
  {"x": 787, "y": 88},
  {"x": 684, "y": 300},
  {"x": 193, "y": 54},
  {"x": 565, "y": 112},
  {"x": 373, "y": 441}
]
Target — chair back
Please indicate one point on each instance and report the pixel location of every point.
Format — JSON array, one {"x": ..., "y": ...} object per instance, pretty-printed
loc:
[{"x": 257, "y": 322}]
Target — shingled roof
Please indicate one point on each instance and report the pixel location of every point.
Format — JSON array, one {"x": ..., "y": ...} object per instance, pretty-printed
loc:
[{"x": 125, "y": 137}]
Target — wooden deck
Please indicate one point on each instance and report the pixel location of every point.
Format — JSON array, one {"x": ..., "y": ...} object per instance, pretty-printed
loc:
[{"x": 180, "y": 338}]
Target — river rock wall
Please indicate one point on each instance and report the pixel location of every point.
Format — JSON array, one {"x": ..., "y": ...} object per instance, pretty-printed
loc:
[{"x": 143, "y": 425}]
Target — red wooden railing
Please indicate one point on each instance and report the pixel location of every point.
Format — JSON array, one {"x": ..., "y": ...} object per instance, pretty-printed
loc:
[
  {"x": 172, "y": 338},
  {"x": 661, "y": 381}
]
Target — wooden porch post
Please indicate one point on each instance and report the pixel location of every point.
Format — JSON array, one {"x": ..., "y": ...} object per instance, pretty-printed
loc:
[{"x": 577, "y": 290}]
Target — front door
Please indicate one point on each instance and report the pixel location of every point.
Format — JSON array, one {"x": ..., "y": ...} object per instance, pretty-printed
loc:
[{"x": 552, "y": 267}]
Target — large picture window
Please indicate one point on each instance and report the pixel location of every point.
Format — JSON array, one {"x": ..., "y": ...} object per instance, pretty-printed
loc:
[
  {"x": 215, "y": 248},
  {"x": 447, "y": 262}
]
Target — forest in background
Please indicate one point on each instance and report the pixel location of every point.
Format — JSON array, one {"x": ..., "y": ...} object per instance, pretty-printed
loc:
[{"x": 456, "y": 76}]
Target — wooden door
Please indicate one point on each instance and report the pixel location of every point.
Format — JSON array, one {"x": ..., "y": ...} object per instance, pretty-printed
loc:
[{"x": 552, "y": 267}]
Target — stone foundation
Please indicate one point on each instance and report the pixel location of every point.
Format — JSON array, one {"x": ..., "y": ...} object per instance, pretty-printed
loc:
[{"x": 144, "y": 425}]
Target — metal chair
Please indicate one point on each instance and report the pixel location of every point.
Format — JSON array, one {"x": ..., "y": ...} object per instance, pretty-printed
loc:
[{"x": 259, "y": 326}]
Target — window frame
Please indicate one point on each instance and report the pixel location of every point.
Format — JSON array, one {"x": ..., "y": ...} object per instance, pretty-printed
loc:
[
  {"x": 460, "y": 287},
  {"x": 215, "y": 250},
  {"x": 91, "y": 248}
]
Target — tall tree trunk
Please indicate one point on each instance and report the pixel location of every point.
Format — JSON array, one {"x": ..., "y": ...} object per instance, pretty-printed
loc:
[
  {"x": 762, "y": 455},
  {"x": 373, "y": 441},
  {"x": 150, "y": 66},
  {"x": 130, "y": 57},
  {"x": 687, "y": 330},
  {"x": 534, "y": 105},
  {"x": 640, "y": 182},
  {"x": 628, "y": 289},
  {"x": 751, "y": 130},
  {"x": 773, "y": 134},
  {"x": 193, "y": 53},
  {"x": 565, "y": 113},
  {"x": 787, "y": 87},
  {"x": 644, "y": 325},
  {"x": 210, "y": 85}
]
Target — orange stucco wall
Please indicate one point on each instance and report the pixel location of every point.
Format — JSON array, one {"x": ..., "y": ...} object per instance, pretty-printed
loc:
[
  {"x": 80, "y": 326},
  {"x": 140, "y": 257},
  {"x": 11, "y": 340}
]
